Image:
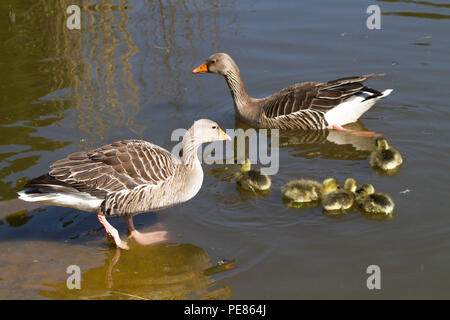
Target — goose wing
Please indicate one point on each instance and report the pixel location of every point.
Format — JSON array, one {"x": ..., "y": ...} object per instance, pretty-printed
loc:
[
  {"x": 308, "y": 98},
  {"x": 122, "y": 165}
]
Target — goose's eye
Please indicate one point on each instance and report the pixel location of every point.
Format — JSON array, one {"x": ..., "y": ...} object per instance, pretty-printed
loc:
[
  {"x": 213, "y": 61},
  {"x": 214, "y": 127}
]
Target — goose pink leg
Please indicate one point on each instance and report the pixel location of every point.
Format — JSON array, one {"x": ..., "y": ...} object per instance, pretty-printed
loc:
[
  {"x": 356, "y": 133},
  {"x": 112, "y": 232},
  {"x": 144, "y": 238}
]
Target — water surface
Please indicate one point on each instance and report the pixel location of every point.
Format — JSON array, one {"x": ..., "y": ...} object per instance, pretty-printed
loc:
[{"x": 127, "y": 74}]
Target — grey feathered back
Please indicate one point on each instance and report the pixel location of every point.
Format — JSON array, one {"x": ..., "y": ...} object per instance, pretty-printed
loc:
[
  {"x": 118, "y": 166},
  {"x": 303, "y": 105}
]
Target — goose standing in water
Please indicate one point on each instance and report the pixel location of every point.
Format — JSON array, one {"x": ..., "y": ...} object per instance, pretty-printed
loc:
[
  {"x": 126, "y": 178},
  {"x": 307, "y": 105}
]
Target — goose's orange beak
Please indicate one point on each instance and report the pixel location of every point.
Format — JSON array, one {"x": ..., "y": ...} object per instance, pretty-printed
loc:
[
  {"x": 203, "y": 68},
  {"x": 223, "y": 135}
]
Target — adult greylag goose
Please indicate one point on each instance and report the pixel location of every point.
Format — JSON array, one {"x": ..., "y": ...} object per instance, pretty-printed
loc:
[
  {"x": 126, "y": 178},
  {"x": 307, "y": 105}
]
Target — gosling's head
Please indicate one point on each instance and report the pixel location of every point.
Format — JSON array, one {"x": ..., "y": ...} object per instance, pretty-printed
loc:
[
  {"x": 381, "y": 144},
  {"x": 366, "y": 189},
  {"x": 246, "y": 166},
  {"x": 350, "y": 185},
  {"x": 330, "y": 184}
]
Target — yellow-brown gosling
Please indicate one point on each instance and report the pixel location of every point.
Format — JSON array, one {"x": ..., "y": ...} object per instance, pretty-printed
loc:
[
  {"x": 252, "y": 179},
  {"x": 329, "y": 185},
  {"x": 302, "y": 191},
  {"x": 337, "y": 199},
  {"x": 385, "y": 157},
  {"x": 374, "y": 202}
]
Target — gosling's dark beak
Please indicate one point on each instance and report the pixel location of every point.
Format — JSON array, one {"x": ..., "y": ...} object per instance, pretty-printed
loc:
[{"x": 203, "y": 68}]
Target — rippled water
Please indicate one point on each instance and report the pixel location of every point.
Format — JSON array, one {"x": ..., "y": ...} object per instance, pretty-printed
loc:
[{"x": 127, "y": 74}]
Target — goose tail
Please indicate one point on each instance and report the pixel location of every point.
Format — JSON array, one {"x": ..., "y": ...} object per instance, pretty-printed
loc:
[
  {"x": 78, "y": 200},
  {"x": 386, "y": 92}
]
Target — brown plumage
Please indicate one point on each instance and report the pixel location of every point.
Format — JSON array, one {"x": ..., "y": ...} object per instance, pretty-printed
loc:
[
  {"x": 110, "y": 171},
  {"x": 300, "y": 106},
  {"x": 125, "y": 178}
]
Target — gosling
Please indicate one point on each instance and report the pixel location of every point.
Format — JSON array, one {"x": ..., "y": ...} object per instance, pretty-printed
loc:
[
  {"x": 252, "y": 180},
  {"x": 336, "y": 199},
  {"x": 302, "y": 191},
  {"x": 375, "y": 203},
  {"x": 385, "y": 158}
]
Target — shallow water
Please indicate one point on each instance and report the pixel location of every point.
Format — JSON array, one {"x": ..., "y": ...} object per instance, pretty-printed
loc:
[{"x": 127, "y": 74}]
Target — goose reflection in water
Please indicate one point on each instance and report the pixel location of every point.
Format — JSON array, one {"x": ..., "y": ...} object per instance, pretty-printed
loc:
[
  {"x": 328, "y": 144},
  {"x": 177, "y": 271}
]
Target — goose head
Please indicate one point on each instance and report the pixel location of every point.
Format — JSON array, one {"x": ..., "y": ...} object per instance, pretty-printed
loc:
[
  {"x": 246, "y": 166},
  {"x": 204, "y": 130},
  {"x": 220, "y": 63},
  {"x": 366, "y": 189},
  {"x": 381, "y": 144},
  {"x": 350, "y": 185},
  {"x": 330, "y": 184}
]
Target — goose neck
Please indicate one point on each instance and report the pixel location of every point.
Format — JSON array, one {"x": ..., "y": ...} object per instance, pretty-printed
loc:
[
  {"x": 190, "y": 146},
  {"x": 237, "y": 88}
]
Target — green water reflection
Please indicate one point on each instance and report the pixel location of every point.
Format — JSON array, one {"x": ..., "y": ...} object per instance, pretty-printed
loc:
[
  {"x": 27, "y": 76},
  {"x": 158, "y": 272}
]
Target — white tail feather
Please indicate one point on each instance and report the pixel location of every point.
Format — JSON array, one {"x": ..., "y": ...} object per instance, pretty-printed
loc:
[
  {"x": 81, "y": 201},
  {"x": 386, "y": 92},
  {"x": 353, "y": 108}
]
